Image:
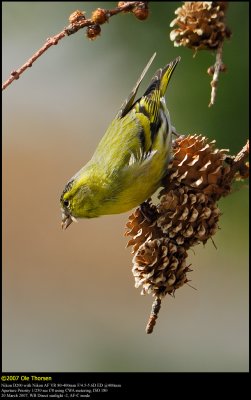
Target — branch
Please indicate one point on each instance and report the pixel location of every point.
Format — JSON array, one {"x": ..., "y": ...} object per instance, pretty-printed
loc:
[
  {"x": 154, "y": 315},
  {"x": 215, "y": 71},
  {"x": 239, "y": 168},
  {"x": 78, "y": 21}
]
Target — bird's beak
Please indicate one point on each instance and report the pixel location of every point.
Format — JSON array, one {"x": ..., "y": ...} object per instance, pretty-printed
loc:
[{"x": 67, "y": 219}]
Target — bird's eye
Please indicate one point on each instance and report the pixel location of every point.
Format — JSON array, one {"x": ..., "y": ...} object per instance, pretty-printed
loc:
[{"x": 66, "y": 203}]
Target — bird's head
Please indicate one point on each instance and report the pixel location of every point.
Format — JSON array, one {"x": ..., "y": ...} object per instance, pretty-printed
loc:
[
  {"x": 78, "y": 200},
  {"x": 67, "y": 208}
]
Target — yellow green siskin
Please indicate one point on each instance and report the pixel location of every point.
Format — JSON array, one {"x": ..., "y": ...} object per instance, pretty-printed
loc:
[{"x": 130, "y": 160}]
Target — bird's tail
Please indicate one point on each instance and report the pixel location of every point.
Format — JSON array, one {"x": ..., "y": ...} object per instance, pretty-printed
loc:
[
  {"x": 166, "y": 74},
  {"x": 159, "y": 82}
]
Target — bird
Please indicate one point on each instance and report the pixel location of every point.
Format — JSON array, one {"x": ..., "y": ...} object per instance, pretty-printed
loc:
[{"x": 131, "y": 159}]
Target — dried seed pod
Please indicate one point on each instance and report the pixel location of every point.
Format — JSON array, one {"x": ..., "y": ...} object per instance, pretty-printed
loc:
[
  {"x": 211, "y": 70},
  {"x": 76, "y": 16},
  {"x": 141, "y": 11},
  {"x": 99, "y": 16},
  {"x": 93, "y": 31},
  {"x": 200, "y": 25}
]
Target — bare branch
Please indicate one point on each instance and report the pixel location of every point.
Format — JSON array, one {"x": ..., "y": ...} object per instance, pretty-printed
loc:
[
  {"x": 77, "y": 22},
  {"x": 239, "y": 169},
  {"x": 216, "y": 69}
]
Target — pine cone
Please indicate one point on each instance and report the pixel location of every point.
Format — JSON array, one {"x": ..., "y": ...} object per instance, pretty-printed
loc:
[
  {"x": 201, "y": 25},
  {"x": 160, "y": 267},
  {"x": 142, "y": 226},
  {"x": 199, "y": 165},
  {"x": 187, "y": 216}
]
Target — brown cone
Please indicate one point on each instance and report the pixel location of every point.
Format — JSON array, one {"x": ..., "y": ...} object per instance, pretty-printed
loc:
[
  {"x": 187, "y": 213},
  {"x": 198, "y": 164},
  {"x": 200, "y": 25},
  {"x": 142, "y": 226},
  {"x": 187, "y": 216},
  {"x": 159, "y": 265}
]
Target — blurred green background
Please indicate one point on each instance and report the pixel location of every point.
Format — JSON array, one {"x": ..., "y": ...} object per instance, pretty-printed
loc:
[{"x": 69, "y": 302}]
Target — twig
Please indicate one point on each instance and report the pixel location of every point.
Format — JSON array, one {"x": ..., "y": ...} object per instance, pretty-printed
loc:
[
  {"x": 50, "y": 41},
  {"x": 243, "y": 154},
  {"x": 76, "y": 24},
  {"x": 238, "y": 164},
  {"x": 216, "y": 69},
  {"x": 154, "y": 315}
]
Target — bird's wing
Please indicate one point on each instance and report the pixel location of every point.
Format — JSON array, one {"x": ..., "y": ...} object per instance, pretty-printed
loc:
[
  {"x": 150, "y": 103},
  {"x": 130, "y": 99},
  {"x": 141, "y": 128}
]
